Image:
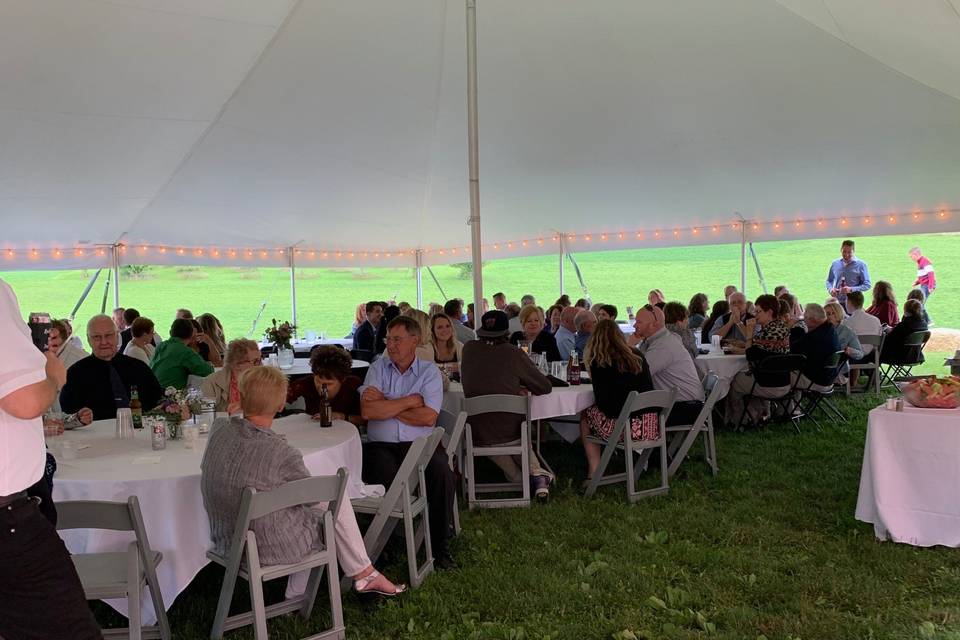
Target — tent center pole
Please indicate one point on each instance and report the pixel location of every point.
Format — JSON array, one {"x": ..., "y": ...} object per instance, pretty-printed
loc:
[
  {"x": 116, "y": 276},
  {"x": 562, "y": 287},
  {"x": 474, "y": 159},
  {"x": 743, "y": 257},
  {"x": 419, "y": 271},
  {"x": 293, "y": 287}
]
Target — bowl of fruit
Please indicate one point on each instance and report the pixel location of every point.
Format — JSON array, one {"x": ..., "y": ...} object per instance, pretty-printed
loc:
[{"x": 932, "y": 392}]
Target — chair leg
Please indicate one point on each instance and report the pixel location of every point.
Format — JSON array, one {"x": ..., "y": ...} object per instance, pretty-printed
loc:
[
  {"x": 333, "y": 591},
  {"x": 258, "y": 608},
  {"x": 456, "y": 515},
  {"x": 310, "y": 595}
]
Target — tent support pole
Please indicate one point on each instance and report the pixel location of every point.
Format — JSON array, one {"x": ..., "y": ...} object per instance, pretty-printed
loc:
[
  {"x": 293, "y": 287},
  {"x": 116, "y": 276},
  {"x": 562, "y": 287},
  {"x": 474, "y": 159},
  {"x": 743, "y": 257},
  {"x": 419, "y": 270}
]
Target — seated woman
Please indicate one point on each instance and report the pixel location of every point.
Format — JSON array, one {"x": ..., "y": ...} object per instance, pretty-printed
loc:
[
  {"x": 359, "y": 317},
  {"x": 331, "y": 367},
  {"x": 894, "y": 350},
  {"x": 675, "y": 319},
  {"x": 884, "y": 305},
  {"x": 532, "y": 330},
  {"x": 917, "y": 294},
  {"x": 201, "y": 344},
  {"x": 698, "y": 310},
  {"x": 223, "y": 386},
  {"x": 847, "y": 337},
  {"x": 59, "y": 343},
  {"x": 615, "y": 370},
  {"x": 772, "y": 339},
  {"x": 442, "y": 347},
  {"x": 244, "y": 452},
  {"x": 213, "y": 331},
  {"x": 720, "y": 309},
  {"x": 141, "y": 343},
  {"x": 553, "y": 318}
]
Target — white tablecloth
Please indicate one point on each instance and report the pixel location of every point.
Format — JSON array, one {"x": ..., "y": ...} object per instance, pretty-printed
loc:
[
  {"x": 305, "y": 345},
  {"x": 167, "y": 483},
  {"x": 562, "y": 401},
  {"x": 725, "y": 366},
  {"x": 910, "y": 478},
  {"x": 301, "y": 367}
]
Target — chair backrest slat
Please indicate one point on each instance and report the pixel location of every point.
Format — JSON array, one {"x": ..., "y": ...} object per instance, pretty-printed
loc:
[
  {"x": 500, "y": 403},
  {"x": 662, "y": 401},
  {"x": 298, "y": 492},
  {"x": 916, "y": 339},
  {"x": 786, "y": 363},
  {"x": 94, "y": 514},
  {"x": 870, "y": 339}
]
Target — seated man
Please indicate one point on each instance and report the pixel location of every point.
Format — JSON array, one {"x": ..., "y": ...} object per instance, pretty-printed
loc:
[
  {"x": 732, "y": 326},
  {"x": 331, "y": 368},
  {"x": 401, "y": 400},
  {"x": 365, "y": 337},
  {"x": 862, "y": 324},
  {"x": 491, "y": 365},
  {"x": 817, "y": 344},
  {"x": 100, "y": 384},
  {"x": 584, "y": 322},
  {"x": 566, "y": 335},
  {"x": 671, "y": 367},
  {"x": 454, "y": 309},
  {"x": 245, "y": 452},
  {"x": 174, "y": 361}
]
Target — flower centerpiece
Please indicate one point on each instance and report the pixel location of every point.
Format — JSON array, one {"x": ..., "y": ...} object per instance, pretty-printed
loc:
[
  {"x": 176, "y": 406},
  {"x": 281, "y": 336}
]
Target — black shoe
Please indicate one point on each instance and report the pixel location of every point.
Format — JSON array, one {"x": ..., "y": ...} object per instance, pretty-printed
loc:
[{"x": 445, "y": 562}]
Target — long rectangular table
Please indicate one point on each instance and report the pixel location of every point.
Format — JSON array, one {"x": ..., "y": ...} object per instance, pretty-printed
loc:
[{"x": 910, "y": 478}]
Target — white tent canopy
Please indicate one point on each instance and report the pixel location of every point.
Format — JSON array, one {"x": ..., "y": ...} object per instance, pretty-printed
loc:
[{"x": 214, "y": 131}]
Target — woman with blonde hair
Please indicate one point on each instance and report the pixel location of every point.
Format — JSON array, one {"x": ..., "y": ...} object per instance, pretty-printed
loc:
[
  {"x": 615, "y": 370},
  {"x": 244, "y": 451},
  {"x": 423, "y": 350},
  {"x": 443, "y": 346},
  {"x": 213, "y": 329},
  {"x": 223, "y": 386},
  {"x": 359, "y": 317},
  {"x": 533, "y": 331},
  {"x": 656, "y": 298}
]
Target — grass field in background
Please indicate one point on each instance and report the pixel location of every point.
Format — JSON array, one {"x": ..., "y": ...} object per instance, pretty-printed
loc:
[{"x": 327, "y": 297}]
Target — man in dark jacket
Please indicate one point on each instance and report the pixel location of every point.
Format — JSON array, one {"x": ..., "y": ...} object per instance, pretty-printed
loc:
[
  {"x": 365, "y": 338},
  {"x": 491, "y": 365},
  {"x": 817, "y": 345}
]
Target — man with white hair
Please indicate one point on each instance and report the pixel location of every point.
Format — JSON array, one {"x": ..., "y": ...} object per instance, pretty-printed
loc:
[
  {"x": 817, "y": 344},
  {"x": 101, "y": 383},
  {"x": 732, "y": 326},
  {"x": 671, "y": 367},
  {"x": 584, "y": 322},
  {"x": 566, "y": 334}
]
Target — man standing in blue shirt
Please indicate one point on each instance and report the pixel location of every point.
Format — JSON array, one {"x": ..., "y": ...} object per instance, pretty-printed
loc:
[
  {"x": 401, "y": 400},
  {"x": 847, "y": 274}
]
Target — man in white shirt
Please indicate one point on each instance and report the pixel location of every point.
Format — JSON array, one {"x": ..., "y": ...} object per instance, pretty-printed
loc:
[
  {"x": 861, "y": 322},
  {"x": 671, "y": 366},
  {"x": 567, "y": 332},
  {"x": 36, "y": 572}
]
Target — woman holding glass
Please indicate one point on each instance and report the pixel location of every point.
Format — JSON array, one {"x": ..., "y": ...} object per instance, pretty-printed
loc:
[{"x": 534, "y": 335}]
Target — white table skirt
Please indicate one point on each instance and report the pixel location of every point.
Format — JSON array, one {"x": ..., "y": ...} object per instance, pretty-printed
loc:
[
  {"x": 561, "y": 401},
  {"x": 305, "y": 346},
  {"x": 167, "y": 483},
  {"x": 910, "y": 478},
  {"x": 725, "y": 366},
  {"x": 301, "y": 367}
]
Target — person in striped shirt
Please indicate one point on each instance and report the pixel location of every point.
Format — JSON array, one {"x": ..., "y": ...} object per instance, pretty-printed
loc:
[{"x": 926, "y": 280}]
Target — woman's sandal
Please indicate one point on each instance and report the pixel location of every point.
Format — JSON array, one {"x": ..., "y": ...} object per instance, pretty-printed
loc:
[{"x": 363, "y": 590}]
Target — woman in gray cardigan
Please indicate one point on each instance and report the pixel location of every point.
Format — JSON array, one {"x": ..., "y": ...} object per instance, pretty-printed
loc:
[{"x": 244, "y": 452}]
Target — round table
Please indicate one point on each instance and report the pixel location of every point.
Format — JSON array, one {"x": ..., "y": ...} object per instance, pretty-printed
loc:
[
  {"x": 167, "y": 484},
  {"x": 301, "y": 367},
  {"x": 304, "y": 346},
  {"x": 561, "y": 401},
  {"x": 725, "y": 366}
]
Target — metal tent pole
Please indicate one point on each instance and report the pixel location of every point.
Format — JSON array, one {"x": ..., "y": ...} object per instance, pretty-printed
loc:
[
  {"x": 474, "y": 158},
  {"x": 116, "y": 276},
  {"x": 562, "y": 286},
  {"x": 293, "y": 288},
  {"x": 743, "y": 257},
  {"x": 419, "y": 256}
]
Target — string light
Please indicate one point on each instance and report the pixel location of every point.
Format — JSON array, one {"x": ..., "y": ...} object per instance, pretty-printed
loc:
[{"x": 620, "y": 236}]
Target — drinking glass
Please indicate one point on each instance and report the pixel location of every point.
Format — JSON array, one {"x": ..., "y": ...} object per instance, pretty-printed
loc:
[
  {"x": 190, "y": 435},
  {"x": 124, "y": 424}
]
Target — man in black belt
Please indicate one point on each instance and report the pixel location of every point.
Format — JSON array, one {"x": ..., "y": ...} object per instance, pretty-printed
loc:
[{"x": 40, "y": 594}]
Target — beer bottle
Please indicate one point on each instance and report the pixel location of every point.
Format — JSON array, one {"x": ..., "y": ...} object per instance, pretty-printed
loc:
[
  {"x": 326, "y": 412},
  {"x": 136, "y": 408}
]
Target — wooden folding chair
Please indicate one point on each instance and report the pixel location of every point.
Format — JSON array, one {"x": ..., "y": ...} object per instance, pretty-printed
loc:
[
  {"x": 517, "y": 405},
  {"x": 243, "y": 559},
  {"x": 855, "y": 368},
  {"x": 120, "y": 574},
  {"x": 453, "y": 426},
  {"x": 683, "y": 436},
  {"x": 404, "y": 501},
  {"x": 622, "y": 439}
]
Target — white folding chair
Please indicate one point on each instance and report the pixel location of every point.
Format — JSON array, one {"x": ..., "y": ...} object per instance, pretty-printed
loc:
[
  {"x": 683, "y": 436},
  {"x": 877, "y": 343},
  {"x": 453, "y": 425},
  {"x": 517, "y": 405},
  {"x": 243, "y": 559},
  {"x": 404, "y": 501},
  {"x": 662, "y": 403},
  {"x": 121, "y": 574}
]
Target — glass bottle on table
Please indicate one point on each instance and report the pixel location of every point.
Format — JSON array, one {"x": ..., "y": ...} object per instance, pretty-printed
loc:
[
  {"x": 326, "y": 411},
  {"x": 573, "y": 369},
  {"x": 136, "y": 408}
]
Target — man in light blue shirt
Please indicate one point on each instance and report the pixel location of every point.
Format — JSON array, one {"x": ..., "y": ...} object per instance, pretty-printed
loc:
[
  {"x": 566, "y": 334},
  {"x": 401, "y": 399},
  {"x": 847, "y": 274}
]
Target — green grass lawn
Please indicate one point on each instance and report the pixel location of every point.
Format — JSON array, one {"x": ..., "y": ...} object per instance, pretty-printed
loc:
[
  {"x": 327, "y": 297},
  {"x": 767, "y": 549}
]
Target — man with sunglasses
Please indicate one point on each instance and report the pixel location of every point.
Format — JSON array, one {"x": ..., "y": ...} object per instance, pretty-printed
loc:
[{"x": 671, "y": 366}]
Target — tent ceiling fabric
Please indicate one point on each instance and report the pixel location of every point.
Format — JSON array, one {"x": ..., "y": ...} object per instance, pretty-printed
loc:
[{"x": 340, "y": 125}]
